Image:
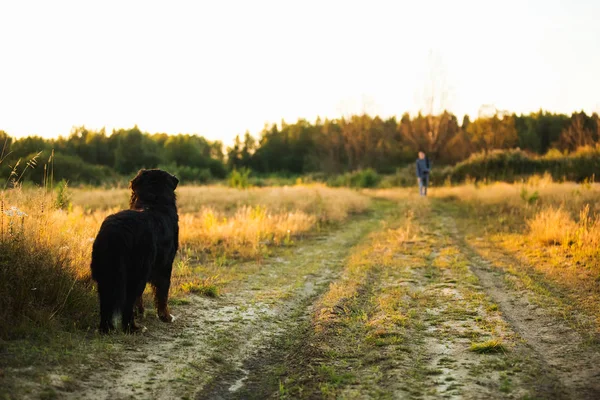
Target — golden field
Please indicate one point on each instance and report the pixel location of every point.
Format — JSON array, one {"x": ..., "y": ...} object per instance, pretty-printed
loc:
[
  {"x": 46, "y": 250},
  {"x": 381, "y": 286}
]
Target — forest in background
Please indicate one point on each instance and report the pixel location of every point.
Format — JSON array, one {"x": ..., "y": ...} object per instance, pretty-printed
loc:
[{"x": 498, "y": 146}]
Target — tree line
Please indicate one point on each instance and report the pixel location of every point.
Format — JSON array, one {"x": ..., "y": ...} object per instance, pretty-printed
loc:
[
  {"x": 327, "y": 146},
  {"x": 363, "y": 142},
  {"x": 89, "y": 156}
]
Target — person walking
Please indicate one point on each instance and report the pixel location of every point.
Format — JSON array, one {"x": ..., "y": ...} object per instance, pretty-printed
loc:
[{"x": 423, "y": 169}]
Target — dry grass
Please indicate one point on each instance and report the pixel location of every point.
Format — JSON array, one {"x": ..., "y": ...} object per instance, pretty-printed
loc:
[
  {"x": 527, "y": 197},
  {"x": 377, "y": 251},
  {"x": 44, "y": 278},
  {"x": 69, "y": 234},
  {"x": 44, "y": 268},
  {"x": 540, "y": 210},
  {"x": 552, "y": 226},
  {"x": 552, "y": 229},
  {"x": 245, "y": 234},
  {"x": 325, "y": 203}
]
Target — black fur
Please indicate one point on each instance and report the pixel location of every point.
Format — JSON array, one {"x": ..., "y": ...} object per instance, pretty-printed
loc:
[{"x": 137, "y": 246}]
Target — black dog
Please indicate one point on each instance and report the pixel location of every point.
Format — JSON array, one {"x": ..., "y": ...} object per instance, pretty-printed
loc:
[{"x": 137, "y": 246}]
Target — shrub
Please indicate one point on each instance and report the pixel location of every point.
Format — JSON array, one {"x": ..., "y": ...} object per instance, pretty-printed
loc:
[
  {"x": 404, "y": 177},
  {"x": 515, "y": 165},
  {"x": 239, "y": 178},
  {"x": 367, "y": 178},
  {"x": 63, "y": 196},
  {"x": 187, "y": 174},
  {"x": 72, "y": 169}
]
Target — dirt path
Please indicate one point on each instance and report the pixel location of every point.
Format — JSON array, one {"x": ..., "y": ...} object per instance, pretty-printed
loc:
[
  {"x": 405, "y": 303},
  {"x": 203, "y": 353},
  {"x": 432, "y": 318},
  {"x": 565, "y": 353}
]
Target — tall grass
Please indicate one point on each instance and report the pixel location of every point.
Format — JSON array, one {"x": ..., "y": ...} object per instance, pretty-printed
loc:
[
  {"x": 551, "y": 226},
  {"x": 44, "y": 255},
  {"x": 325, "y": 203},
  {"x": 555, "y": 226},
  {"x": 550, "y": 213},
  {"x": 45, "y": 244},
  {"x": 245, "y": 233},
  {"x": 527, "y": 197}
]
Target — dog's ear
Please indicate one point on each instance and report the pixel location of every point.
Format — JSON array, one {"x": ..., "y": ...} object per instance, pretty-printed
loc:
[
  {"x": 133, "y": 184},
  {"x": 174, "y": 181}
]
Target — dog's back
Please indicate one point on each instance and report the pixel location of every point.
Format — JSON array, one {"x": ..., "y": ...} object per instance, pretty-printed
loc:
[{"x": 125, "y": 237}]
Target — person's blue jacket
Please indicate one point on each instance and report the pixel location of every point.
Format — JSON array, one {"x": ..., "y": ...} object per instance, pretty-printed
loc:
[{"x": 423, "y": 167}]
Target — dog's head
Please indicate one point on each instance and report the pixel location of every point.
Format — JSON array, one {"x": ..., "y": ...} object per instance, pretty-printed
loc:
[{"x": 152, "y": 187}]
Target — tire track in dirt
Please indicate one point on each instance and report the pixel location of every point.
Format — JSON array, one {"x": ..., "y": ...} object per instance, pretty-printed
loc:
[
  {"x": 405, "y": 332},
  {"x": 450, "y": 298},
  {"x": 409, "y": 329},
  {"x": 269, "y": 367},
  {"x": 202, "y": 355},
  {"x": 563, "y": 351},
  {"x": 449, "y": 314},
  {"x": 257, "y": 374},
  {"x": 570, "y": 364}
]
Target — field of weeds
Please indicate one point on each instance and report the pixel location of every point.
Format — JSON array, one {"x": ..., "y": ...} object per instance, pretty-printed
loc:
[
  {"x": 311, "y": 292},
  {"x": 46, "y": 241}
]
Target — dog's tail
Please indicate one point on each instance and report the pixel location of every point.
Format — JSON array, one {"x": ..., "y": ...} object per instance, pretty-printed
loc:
[{"x": 108, "y": 270}]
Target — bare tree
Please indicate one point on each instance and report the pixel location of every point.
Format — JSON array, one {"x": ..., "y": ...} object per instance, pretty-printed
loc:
[
  {"x": 577, "y": 134},
  {"x": 434, "y": 126}
]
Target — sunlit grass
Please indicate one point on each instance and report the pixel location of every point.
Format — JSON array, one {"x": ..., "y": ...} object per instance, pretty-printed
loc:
[
  {"x": 488, "y": 347},
  {"x": 45, "y": 270},
  {"x": 550, "y": 229},
  {"x": 245, "y": 234},
  {"x": 204, "y": 287},
  {"x": 552, "y": 226},
  {"x": 527, "y": 197},
  {"x": 327, "y": 204}
]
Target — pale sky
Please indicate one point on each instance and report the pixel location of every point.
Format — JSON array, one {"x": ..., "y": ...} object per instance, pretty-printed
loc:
[{"x": 219, "y": 68}]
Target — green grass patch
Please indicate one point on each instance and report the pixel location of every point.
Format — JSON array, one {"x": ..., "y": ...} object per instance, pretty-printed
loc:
[
  {"x": 202, "y": 288},
  {"x": 332, "y": 377},
  {"x": 491, "y": 346}
]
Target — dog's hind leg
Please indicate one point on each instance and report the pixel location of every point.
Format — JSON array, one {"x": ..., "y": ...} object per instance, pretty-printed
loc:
[
  {"x": 139, "y": 306},
  {"x": 161, "y": 297},
  {"x": 127, "y": 319},
  {"x": 107, "y": 308},
  {"x": 132, "y": 299}
]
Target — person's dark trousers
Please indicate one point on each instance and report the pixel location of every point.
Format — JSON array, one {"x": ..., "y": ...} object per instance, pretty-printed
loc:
[{"x": 423, "y": 183}]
